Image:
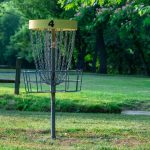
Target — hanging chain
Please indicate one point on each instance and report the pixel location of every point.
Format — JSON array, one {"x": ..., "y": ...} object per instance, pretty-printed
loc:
[{"x": 42, "y": 52}]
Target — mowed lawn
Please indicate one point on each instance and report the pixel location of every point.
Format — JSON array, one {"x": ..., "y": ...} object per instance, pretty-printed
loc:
[
  {"x": 21, "y": 130},
  {"x": 100, "y": 93},
  {"x": 75, "y": 131}
]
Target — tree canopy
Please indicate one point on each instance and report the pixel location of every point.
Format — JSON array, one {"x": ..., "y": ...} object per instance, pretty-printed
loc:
[{"x": 112, "y": 37}]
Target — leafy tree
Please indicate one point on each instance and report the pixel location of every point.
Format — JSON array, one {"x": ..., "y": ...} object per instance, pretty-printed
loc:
[
  {"x": 37, "y": 9},
  {"x": 132, "y": 37},
  {"x": 9, "y": 23},
  {"x": 121, "y": 43},
  {"x": 93, "y": 17},
  {"x": 19, "y": 43},
  {"x": 19, "y": 47},
  {"x": 113, "y": 35}
]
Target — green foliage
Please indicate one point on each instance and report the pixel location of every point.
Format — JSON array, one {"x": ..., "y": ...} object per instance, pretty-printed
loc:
[
  {"x": 37, "y": 9},
  {"x": 9, "y": 23},
  {"x": 85, "y": 3},
  {"x": 88, "y": 58},
  {"x": 14, "y": 33},
  {"x": 123, "y": 24},
  {"x": 146, "y": 22},
  {"x": 20, "y": 45}
]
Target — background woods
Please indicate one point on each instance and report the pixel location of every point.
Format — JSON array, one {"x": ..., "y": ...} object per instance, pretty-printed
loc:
[{"x": 112, "y": 37}]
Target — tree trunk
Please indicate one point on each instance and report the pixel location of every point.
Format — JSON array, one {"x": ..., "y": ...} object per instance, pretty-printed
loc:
[
  {"x": 80, "y": 45},
  {"x": 138, "y": 46},
  {"x": 120, "y": 66},
  {"x": 100, "y": 46},
  {"x": 80, "y": 63},
  {"x": 94, "y": 59}
]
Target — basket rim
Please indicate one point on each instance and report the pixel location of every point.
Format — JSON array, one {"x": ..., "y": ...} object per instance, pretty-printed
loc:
[{"x": 49, "y": 24}]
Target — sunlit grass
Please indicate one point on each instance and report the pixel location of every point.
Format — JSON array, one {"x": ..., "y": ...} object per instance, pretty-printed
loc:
[
  {"x": 31, "y": 130},
  {"x": 26, "y": 130},
  {"x": 99, "y": 94}
]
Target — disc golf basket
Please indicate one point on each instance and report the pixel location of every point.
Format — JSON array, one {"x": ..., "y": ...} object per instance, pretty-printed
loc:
[
  {"x": 52, "y": 45},
  {"x": 34, "y": 83}
]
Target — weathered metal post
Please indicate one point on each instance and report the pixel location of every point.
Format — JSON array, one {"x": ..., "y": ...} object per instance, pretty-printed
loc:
[
  {"x": 53, "y": 86},
  {"x": 18, "y": 74},
  {"x": 60, "y": 35}
]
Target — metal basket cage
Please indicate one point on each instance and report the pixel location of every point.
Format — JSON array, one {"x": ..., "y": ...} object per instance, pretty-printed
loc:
[{"x": 34, "y": 83}]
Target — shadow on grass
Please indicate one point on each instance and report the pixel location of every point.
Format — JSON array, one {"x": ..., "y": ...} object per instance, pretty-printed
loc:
[
  {"x": 95, "y": 116},
  {"x": 39, "y": 103},
  {"x": 27, "y": 102}
]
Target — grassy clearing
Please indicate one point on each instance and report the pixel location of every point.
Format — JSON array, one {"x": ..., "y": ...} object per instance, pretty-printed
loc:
[
  {"x": 99, "y": 94},
  {"x": 28, "y": 130}
]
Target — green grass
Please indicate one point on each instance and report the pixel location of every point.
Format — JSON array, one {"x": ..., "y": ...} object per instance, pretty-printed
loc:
[
  {"x": 75, "y": 131},
  {"x": 100, "y": 93},
  {"x": 78, "y": 131}
]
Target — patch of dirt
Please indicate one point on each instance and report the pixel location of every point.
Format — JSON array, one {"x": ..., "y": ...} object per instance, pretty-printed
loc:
[
  {"x": 131, "y": 142},
  {"x": 27, "y": 131},
  {"x": 132, "y": 112},
  {"x": 68, "y": 141}
]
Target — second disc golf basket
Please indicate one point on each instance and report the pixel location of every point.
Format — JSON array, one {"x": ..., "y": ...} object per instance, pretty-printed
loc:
[{"x": 52, "y": 45}]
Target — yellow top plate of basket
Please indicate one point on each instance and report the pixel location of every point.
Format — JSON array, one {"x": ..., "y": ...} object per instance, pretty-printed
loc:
[{"x": 49, "y": 24}]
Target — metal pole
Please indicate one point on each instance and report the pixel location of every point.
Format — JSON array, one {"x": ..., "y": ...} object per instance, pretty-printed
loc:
[
  {"x": 53, "y": 86},
  {"x": 18, "y": 74}
]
